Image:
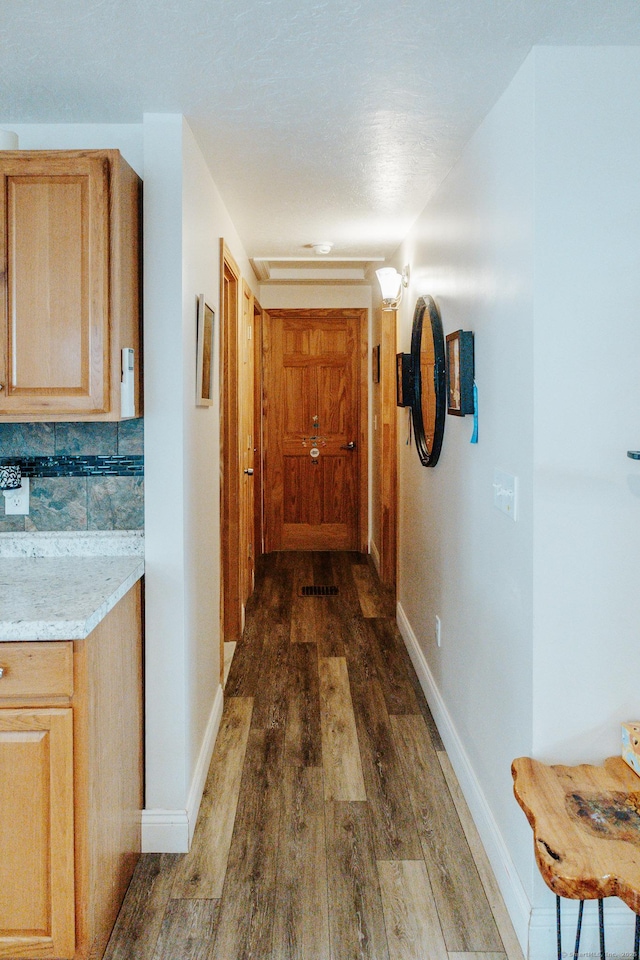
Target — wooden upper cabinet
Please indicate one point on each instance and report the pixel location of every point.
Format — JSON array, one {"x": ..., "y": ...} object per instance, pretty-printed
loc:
[{"x": 69, "y": 283}]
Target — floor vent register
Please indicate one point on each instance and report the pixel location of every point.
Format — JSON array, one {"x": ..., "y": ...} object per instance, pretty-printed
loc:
[{"x": 319, "y": 591}]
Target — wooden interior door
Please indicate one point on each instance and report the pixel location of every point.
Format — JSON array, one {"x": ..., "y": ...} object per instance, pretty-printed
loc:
[
  {"x": 246, "y": 434},
  {"x": 231, "y": 605},
  {"x": 314, "y": 441}
]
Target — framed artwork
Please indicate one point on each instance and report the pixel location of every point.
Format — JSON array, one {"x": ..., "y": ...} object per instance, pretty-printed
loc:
[
  {"x": 204, "y": 357},
  {"x": 404, "y": 387},
  {"x": 460, "y": 373},
  {"x": 375, "y": 364}
]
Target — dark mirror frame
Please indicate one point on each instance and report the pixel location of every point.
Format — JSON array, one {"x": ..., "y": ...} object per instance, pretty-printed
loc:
[{"x": 427, "y": 322}]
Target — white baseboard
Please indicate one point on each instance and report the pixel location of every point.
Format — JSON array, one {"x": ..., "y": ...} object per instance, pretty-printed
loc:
[
  {"x": 534, "y": 927},
  {"x": 513, "y": 893},
  {"x": 171, "y": 831},
  {"x": 165, "y": 831},
  {"x": 619, "y": 922},
  {"x": 375, "y": 555}
]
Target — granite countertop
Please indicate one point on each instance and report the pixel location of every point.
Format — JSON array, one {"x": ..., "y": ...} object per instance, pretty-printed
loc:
[{"x": 60, "y": 586}]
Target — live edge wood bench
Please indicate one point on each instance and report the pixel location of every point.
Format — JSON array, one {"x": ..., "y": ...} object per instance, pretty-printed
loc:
[{"x": 586, "y": 834}]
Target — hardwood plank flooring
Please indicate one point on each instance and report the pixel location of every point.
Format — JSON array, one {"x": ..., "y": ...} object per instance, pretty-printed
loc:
[
  {"x": 303, "y": 738},
  {"x": 343, "y": 779},
  {"x": 247, "y": 908},
  {"x": 467, "y": 922},
  {"x": 502, "y": 918},
  {"x": 330, "y": 826},
  {"x": 301, "y": 928},
  {"x": 187, "y": 930},
  {"x": 356, "y": 917},
  {"x": 200, "y": 873},
  {"x": 411, "y": 919},
  {"x": 393, "y": 824},
  {"x": 137, "y": 928}
]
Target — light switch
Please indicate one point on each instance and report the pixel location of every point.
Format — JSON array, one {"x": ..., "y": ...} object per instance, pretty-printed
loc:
[{"x": 505, "y": 493}]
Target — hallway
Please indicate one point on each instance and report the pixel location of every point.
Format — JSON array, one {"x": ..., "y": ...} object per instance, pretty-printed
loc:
[{"x": 332, "y": 826}]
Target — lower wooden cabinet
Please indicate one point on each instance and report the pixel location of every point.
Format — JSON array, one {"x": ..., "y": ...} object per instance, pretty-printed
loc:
[
  {"x": 70, "y": 786},
  {"x": 37, "y": 901}
]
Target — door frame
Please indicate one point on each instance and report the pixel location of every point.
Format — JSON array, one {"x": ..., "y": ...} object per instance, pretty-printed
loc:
[
  {"x": 388, "y": 451},
  {"x": 258, "y": 539},
  {"x": 361, "y": 315},
  {"x": 230, "y": 305}
]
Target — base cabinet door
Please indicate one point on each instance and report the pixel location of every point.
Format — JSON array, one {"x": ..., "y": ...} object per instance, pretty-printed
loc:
[{"x": 37, "y": 914}]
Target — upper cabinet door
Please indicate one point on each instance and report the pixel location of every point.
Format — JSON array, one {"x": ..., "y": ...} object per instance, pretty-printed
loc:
[{"x": 63, "y": 317}]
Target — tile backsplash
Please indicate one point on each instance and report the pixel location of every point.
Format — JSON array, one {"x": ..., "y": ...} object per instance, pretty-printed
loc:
[{"x": 83, "y": 476}]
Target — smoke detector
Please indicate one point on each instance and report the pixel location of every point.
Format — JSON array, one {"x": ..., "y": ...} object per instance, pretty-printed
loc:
[{"x": 322, "y": 247}]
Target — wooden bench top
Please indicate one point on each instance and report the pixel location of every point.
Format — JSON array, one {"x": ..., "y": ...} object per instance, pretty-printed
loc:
[{"x": 586, "y": 827}]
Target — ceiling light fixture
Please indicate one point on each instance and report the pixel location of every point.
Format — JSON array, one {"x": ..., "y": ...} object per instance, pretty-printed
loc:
[
  {"x": 323, "y": 247},
  {"x": 391, "y": 286}
]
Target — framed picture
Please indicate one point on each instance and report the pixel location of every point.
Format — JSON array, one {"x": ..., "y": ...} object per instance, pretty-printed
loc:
[
  {"x": 404, "y": 387},
  {"x": 460, "y": 373},
  {"x": 204, "y": 357},
  {"x": 375, "y": 364}
]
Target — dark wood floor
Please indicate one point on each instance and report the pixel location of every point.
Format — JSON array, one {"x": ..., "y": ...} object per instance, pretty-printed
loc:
[{"x": 332, "y": 826}]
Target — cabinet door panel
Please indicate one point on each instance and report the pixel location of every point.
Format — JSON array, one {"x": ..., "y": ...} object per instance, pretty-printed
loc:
[
  {"x": 37, "y": 915},
  {"x": 56, "y": 245}
]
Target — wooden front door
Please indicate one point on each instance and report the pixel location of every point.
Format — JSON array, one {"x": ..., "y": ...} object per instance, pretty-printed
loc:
[{"x": 314, "y": 441}]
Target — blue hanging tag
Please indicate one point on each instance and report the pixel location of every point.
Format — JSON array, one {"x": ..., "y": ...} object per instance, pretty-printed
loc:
[{"x": 474, "y": 435}]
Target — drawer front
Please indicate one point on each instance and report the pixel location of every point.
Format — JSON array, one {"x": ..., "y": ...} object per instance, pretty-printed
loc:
[{"x": 36, "y": 669}]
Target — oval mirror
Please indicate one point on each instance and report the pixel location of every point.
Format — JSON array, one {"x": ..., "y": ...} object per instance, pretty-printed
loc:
[{"x": 429, "y": 381}]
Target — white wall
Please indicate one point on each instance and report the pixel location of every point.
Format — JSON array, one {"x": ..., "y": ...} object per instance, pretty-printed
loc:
[
  {"x": 204, "y": 221},
  {"x": 587, "y": 412},
  {"x": 166, "y": 780},
  {"x": 314, "y": 296},
  {"x": 125, "y": 137},
  {"x": 460, "y": 558},
  {"x": 184, "y": 219},
  {"x": 184, "y": 222},
  {"x": 533, "y": 243}
]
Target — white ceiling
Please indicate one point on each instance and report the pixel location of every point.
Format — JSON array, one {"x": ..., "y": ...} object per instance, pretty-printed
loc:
[{"x": 327, "y": 120}]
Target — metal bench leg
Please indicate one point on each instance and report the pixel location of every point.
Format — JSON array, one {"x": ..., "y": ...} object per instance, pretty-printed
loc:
[
  {"x": 601, "y": 925},
  {"x": 576, "y": 949},
  {"x": 558, "y": 928}
]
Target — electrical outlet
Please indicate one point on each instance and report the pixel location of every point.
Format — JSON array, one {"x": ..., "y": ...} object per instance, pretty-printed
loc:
[
  {"x": 17, "y": 501},
  {"x": 438, "y": 631}
]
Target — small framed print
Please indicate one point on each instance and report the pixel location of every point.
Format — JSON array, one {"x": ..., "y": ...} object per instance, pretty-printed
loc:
[
  {"x": 204, "y": 356},
  {"x": 404, "y": 386},
  {"x": 375, "y": 364},
  {"x": 460, "y": 373}
]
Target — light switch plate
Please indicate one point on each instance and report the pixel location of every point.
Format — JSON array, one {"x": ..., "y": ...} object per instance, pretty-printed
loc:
[
  {"x": 16, "y": 502},
  {"x": 505, "y": 493}
]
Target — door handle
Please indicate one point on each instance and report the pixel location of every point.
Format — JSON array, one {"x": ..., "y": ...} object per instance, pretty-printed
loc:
[
  {"x": 249, "y": 471},
  {"x": 349, "y": 446}
]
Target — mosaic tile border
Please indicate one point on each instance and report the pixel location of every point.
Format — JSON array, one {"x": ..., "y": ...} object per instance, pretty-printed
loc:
[{"x": 77, "y": 466}]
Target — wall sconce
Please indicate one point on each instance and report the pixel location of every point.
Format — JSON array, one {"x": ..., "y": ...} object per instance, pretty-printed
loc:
[{"x": 391, "y": 286}]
